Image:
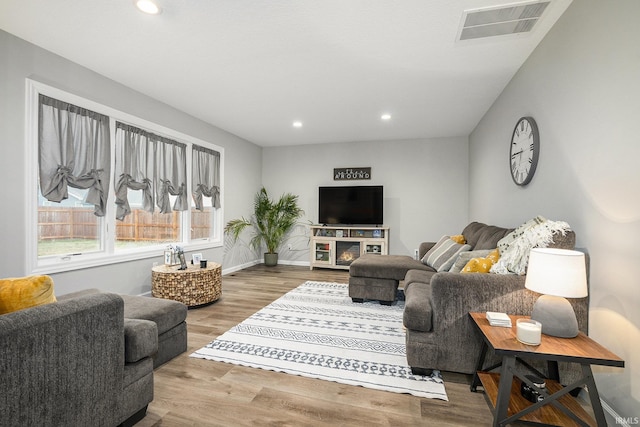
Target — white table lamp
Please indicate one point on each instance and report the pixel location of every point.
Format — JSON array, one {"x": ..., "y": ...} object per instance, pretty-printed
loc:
[{"x": 557, "y": 274}]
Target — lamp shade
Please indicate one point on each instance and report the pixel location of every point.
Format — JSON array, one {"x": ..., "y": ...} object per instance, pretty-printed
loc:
[{"x": 558, "y": 272}]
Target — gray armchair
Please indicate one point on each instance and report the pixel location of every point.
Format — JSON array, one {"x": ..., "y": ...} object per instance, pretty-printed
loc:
[{"x": 65, "y": 363}]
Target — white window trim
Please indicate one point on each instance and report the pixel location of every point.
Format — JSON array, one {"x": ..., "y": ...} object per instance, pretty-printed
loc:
[{"x": 108, "y": 256}]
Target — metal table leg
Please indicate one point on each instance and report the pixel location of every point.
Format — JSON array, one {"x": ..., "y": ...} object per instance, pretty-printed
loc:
[
  {"x": 476, "y": 380},
  {"x": 596, "y": 405},
  {"x": 504, "y": 390}
]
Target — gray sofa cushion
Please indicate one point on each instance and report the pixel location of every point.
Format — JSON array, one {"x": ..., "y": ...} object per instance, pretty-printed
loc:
[
  {"x": 385, "y": 266},
  {"x": 77, "y": 294},
  {"x": 483, "y": 236},
  {"x": 165, "y": 313},
  {"x": 420, "y": 276},
  {"x": 140, "y": 339}
]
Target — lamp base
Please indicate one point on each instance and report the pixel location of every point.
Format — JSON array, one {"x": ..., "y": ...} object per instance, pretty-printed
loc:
[{"x": 556, "y": 315}]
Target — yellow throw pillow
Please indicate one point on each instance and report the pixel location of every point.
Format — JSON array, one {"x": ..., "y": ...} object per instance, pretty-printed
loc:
[
  {"x": 482, "y": 265},
  {"x": 24, "y": 292},
  {"x": 494, "y": 256},
  {"x": 459, "y": 238},
  {"x": 477, "y": 265}
]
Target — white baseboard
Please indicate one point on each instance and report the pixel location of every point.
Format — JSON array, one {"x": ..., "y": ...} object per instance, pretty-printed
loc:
[
  {"x": 239, "y": 267},
  {"x": 298, "y": 263},
  {"x": 261, "y": 261},
  {"x": 617, "y": 418}
]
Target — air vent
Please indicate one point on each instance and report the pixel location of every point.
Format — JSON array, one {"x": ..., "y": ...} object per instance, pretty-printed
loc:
[{"x": 501, "y": 20}]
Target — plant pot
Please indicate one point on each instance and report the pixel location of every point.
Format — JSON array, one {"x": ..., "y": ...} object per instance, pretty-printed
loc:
[{"x": 271, "y": 259}]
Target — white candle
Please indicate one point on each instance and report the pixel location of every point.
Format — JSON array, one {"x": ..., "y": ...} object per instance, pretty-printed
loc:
[{"x": 528, "y": 331}]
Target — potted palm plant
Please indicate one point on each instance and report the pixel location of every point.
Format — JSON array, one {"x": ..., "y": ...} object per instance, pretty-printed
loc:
[{"x": 271, "y": 222}]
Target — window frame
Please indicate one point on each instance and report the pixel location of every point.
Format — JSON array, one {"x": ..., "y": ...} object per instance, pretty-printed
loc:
[{"x": 107, "y": 233}]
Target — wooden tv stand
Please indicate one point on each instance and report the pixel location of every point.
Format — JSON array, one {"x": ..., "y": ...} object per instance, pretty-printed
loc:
[{"x": 337, "y": 246}]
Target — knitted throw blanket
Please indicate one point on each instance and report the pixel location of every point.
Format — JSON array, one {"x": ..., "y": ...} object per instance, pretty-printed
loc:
[{"x": 515, "y": 258}]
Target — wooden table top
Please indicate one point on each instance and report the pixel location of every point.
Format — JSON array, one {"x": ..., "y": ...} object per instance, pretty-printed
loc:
[
  {"x": 580, "y": 349},
  {"x": 163, "y": 268}
]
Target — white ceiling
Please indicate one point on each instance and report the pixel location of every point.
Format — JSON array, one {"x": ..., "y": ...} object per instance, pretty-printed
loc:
[{"x": 252, "y": 67}]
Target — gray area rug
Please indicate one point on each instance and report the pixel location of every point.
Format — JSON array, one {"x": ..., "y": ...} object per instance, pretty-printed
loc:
[{"x": 316, "y": 331}]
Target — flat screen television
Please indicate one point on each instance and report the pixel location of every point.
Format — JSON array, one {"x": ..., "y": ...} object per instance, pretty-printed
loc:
[{"x": 350, "y": 205}]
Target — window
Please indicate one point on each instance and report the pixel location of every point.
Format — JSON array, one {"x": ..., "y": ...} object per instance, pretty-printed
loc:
[
  {"x": 111, "y": 187},
  {"x": 68, "y": 227},
  {"x": 205, "y": 181},
  {"x": 153, "y": 170}
]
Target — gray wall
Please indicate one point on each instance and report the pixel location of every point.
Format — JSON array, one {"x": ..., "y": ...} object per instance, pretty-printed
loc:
[
  {"x": 582, "y": 85},
  {"x": 19, "y": 60},
  {"x": 425, "y": 185}
]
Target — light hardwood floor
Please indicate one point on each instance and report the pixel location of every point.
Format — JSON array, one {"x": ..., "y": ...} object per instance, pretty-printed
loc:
[{"x": 197, "y": 392}]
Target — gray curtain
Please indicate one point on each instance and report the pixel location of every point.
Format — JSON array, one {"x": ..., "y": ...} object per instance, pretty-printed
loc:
[
  {"x": 171, "y": 175},
  {"x": 151, "y": 163},
  {"x": 73, "y": 149},
  {"x": 205, "y": 175}
]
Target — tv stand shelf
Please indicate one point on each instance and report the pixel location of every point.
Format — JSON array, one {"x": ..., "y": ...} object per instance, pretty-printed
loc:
[{"x": 337, "y": 246}]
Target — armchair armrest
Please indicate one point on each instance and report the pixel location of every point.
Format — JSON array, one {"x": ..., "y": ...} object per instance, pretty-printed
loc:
[{"x": 140, "y": 339}]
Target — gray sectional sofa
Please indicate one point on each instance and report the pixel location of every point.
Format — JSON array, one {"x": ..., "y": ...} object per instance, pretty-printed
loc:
[
  {"x": 86, "y": 359},
  {"x": 439, "y": 332}
]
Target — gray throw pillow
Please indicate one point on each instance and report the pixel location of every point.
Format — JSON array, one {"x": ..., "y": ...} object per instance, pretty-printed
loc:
[
  {"x": 442, "y": 255},
  {"x": 465, "y": 257}
]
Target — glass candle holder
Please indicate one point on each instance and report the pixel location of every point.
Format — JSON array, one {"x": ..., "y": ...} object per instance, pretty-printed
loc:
[{"x": 528, "y": 331}]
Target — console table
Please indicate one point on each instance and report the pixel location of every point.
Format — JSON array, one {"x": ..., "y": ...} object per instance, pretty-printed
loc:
[
  {"x": 193, "y": 287},
  {"x": 558, "y": 407}
]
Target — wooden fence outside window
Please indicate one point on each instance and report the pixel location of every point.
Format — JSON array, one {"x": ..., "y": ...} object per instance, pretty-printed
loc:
[{"x": 139, "y": 226}]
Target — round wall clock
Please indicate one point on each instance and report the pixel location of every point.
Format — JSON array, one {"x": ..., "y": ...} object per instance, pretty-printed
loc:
[{"x": 524, "y": 150}]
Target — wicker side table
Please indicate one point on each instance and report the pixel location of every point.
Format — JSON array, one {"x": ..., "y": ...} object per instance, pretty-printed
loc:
[{"x": 193, "y": 287}]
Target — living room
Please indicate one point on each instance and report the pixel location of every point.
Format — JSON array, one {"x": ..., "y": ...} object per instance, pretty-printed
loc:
[{"x": 581, "y": 86}]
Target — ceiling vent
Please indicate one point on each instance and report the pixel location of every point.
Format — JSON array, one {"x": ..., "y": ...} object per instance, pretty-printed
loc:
[{"x": 501, "y": 20}]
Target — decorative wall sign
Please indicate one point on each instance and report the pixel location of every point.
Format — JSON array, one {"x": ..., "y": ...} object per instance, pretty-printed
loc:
[{"x": 351, "y": 174}]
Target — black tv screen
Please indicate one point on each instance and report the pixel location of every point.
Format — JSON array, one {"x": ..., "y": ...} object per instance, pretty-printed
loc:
[{"x": 353, "y": 205}]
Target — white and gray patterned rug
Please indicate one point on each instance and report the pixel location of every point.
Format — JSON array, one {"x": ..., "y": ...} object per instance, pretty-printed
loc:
[{"x": 316, "y": 331}]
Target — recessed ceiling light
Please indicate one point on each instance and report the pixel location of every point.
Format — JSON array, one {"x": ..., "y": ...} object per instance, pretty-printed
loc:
[
  {"x": 297, "y": 124},
  {"x": 385, "y": 117},
  {"x": 148, "y": 6}
]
